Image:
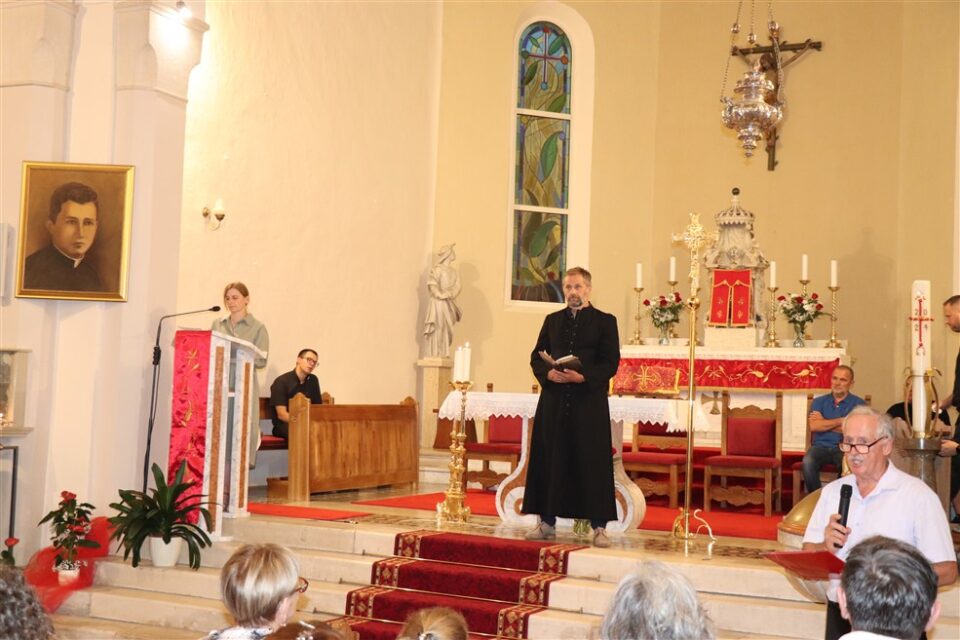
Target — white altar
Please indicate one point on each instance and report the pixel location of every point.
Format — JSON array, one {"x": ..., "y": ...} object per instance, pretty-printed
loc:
[{"x": 624, "y": 411}]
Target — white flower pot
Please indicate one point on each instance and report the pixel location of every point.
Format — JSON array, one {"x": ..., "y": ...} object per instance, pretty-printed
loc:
[
  {"x": 66, "y": 577},
  {"x": 162, "y": 554}
]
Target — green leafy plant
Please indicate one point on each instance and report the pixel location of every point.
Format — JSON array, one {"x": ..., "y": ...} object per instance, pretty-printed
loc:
[
  {"x": 165, "y": 512},
  {"x": 71, "y": 524}
]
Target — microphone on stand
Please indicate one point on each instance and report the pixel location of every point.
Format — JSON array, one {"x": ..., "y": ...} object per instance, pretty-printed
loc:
[
  {"x": 156, "y": 384},
  {"x": 846, "y": 492}
]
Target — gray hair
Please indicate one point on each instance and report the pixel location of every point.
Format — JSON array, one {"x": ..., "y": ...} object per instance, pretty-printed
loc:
[
  {"x": 884, "y": 422},
  {"x": 890, "y": 588},
  {"x": 656, "y": 603}
]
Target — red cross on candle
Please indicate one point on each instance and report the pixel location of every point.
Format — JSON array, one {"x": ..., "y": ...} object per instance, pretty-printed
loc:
[{"x": 920, "y": 316}]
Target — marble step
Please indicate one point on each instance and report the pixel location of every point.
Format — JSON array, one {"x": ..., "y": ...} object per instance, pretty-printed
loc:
[{"x": 70, "y": 627}]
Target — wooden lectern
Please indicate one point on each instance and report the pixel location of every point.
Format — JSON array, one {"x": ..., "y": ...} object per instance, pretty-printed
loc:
[{"x": 213, "y": 400}]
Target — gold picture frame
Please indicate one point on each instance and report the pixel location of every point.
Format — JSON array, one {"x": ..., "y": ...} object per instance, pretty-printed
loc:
[{"x": 82, "y": 250}]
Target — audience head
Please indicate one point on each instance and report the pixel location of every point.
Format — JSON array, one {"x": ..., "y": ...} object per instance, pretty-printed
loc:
[
  {"x": 260, "y": 584},
  {"x": 889, "y": 588},
  {"x": 841, "y": 380},
  {"x": 306, "y": 361},
  {"x": 656, "y": 603},
  {"x": 21, "y": 615},
  {"x": 951, "y": 312},
  {"x": 867, "y": 427},
  {"x": 435, "y": 623}
]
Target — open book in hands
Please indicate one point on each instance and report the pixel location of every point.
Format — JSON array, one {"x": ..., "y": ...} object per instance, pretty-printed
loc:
[{"x": 568, "y": 362}]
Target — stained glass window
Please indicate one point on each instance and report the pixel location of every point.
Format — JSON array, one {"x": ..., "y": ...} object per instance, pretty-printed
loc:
[
  {"x": 540, "y": 255},
  {"x": 542, "y": 172}
]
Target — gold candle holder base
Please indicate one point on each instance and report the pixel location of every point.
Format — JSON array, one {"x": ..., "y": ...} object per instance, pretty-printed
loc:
[
  {"x": 772, "y": 319},
  {"x": 637, "y": 339},
  {"x": 833, "y": 343},
  {"x": 453, "y": 508}
]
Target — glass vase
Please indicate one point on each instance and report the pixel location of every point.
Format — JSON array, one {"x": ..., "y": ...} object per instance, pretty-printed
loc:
[
  {"x": 799, "y": 341},
  {"x": 664, "y": 335}
]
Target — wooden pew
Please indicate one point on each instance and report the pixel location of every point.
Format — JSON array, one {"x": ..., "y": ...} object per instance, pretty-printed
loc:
[
  {"x": 269, "y": 442},
  {"x": 342, "y": 446}
]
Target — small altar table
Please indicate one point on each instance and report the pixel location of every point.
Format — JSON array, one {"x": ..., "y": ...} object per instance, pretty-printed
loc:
[{"x": 624, "y": 411}]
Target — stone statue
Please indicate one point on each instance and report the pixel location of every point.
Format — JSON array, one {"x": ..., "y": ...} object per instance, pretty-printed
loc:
[{"x": 443, "y": 286}]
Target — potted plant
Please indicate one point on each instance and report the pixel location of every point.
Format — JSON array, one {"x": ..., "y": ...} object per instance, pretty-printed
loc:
[
  {"x": 163, "y": 516},
  {"x": 71, "y": 524}
]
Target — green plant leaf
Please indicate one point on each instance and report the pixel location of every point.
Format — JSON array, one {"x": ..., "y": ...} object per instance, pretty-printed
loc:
[
  {"x": 533, "y": 222},
  {"x": 539, "y": 241},
  {"x": 556, "y": 45},
  {"x": 548, "y": 155},
  {"x": 531, "y": 72},
  {"x": 556, "y": 105}
]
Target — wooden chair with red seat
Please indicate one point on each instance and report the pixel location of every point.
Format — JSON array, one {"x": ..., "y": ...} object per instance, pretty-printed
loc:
[
  {"x": 750, "y": 447},
  {"x": 502, "y": 444},
  {"x": 656, "y": 382},
  {"x": 828, "y": 472},
  {"x": 270, "y": 442}
]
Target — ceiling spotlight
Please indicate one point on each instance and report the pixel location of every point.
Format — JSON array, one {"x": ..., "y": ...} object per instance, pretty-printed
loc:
[{"x": 184, "y": 10}]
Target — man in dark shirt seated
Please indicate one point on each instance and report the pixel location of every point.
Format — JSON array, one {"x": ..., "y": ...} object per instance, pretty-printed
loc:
[{"x": 300, "y": 380}]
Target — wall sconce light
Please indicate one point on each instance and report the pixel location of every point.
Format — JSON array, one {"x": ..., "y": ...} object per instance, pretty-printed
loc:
[
  {"x": 184, "y": 10},
  {"x": 214, "y": 217}
]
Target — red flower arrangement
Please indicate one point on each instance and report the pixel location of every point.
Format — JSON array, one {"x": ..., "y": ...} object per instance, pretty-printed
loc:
[
  {"x": 71, "y": 524},
  {"x": 6, "y": 556},
  {"x": 665, "y": 310}
]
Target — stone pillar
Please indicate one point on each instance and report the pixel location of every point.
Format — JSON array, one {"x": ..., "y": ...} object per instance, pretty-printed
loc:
[{"x": 434, "y": 385}]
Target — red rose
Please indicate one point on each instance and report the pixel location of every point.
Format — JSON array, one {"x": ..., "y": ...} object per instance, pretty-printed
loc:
[
  {"x": 66, "y": 495},
  {"x": 663, "y": 302},
  {"x": 11, "y": 542},
  {"x": 781, "y": 298},
  {"x": 813, "y": 296},
  {"x": 676, "y": 296},
  {"x": 819, "y": 307},
  {"x": 77, "y": 528},
  {"x": 646, "y": 303}
]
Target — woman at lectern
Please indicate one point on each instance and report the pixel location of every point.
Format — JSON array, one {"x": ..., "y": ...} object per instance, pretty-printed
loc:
[{"x": 241, "y": 324}]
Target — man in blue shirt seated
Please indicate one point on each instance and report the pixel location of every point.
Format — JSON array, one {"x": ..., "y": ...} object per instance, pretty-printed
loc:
[{"x": 825, "y": 422}]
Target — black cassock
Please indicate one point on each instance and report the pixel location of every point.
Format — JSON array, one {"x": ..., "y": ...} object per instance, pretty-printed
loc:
[{"x": 570, "y": 473}]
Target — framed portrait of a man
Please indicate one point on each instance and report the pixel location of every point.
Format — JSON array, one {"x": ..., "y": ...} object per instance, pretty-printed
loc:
[{"x": 74, "y": 238}]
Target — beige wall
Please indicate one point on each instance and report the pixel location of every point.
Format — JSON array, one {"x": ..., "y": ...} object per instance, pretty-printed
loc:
[
  {"x": 862, "y": 162},
  {"x": 316, "y": 124}
]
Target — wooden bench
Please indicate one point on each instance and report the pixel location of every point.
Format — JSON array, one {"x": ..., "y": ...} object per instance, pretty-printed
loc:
[
  {"x": 342, "y": 446},
  {"x": 270, "y": 442}
]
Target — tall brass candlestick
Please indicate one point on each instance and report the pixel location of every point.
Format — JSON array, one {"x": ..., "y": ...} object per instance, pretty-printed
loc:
[
  {"x": 452, "y": 508},
  {"x": 695, "y": 239},
  {"x": 673, "y": 289},
  {"x": 833, "y": 343},
  {"x": 636, "y": 330},
  {"x": 803, "y": 290},
  {"x": 772, "y": 319}
]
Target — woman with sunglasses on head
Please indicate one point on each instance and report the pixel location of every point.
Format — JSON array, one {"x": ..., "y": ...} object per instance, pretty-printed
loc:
[{"x": 260, "y": 584}]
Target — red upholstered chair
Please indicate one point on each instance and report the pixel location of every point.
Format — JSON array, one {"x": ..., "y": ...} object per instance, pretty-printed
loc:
[
  {"x": 502, "y": 444},
  {"x": 750, "y": 447},
  {"x": 657, "y": 463},
  {"x": 827, "y": 474}
]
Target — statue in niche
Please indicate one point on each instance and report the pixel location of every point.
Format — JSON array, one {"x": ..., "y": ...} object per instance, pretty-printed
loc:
[
  {"x": 737, "y": 249},
  {"x": 443, "y": 285}
]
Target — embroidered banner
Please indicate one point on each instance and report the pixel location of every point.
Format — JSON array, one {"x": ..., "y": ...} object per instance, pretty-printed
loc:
[
  {"x": 733, "y": 374},
  {"x": 730, "y": 303},
  {"x": 188, "y": 415}
]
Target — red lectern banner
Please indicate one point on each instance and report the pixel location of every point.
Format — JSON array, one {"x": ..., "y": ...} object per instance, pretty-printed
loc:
[
  {"x": 188, "y": 416},
  {"x": 761, "y": 375},
  {"x": 730, "y": 303}
]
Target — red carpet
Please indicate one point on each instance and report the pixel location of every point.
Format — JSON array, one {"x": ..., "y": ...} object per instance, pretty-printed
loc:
[
  {"x": 307, "y": 513},
  {"x": 739, "y": 523}
]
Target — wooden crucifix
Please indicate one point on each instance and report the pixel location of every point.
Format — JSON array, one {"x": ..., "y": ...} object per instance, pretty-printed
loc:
[{"x": 768, "y": 63}]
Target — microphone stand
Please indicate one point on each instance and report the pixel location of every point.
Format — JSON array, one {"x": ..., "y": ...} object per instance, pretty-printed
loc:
[{"x": 155, "y": 387}]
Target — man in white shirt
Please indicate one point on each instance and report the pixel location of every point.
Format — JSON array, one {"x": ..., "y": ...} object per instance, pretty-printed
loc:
[
  {"x": 885, "y": 501},
  {"x": 888, "y": 590}
]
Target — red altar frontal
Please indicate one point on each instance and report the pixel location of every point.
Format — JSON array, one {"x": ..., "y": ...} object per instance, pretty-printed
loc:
[{"x": 752, "y": 375}]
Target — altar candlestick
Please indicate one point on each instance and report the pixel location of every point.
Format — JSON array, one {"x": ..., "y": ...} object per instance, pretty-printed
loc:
[
  {"x": 673, "y": 269},
  {"x": 639, "y": 284},
  {"x": 803, "y": 267},
  {"x": 773, "y": 274},
  {"x": 833, "y": 273}
]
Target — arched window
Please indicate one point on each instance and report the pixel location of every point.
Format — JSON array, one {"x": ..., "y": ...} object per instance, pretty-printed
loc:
[{"x": 549, "y": 198}]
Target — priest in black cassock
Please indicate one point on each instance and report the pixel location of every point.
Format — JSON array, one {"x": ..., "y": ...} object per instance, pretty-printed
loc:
[{"x": 570, "y": 474}]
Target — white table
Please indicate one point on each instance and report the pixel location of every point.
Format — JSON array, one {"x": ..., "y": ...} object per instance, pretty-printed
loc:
[{"x": 624, "y": 411}]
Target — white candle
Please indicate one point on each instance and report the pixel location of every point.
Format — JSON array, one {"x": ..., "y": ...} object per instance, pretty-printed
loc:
[
  {"x": 466, "y": 362},
  {"x": 803, "y": 267},
  {"x": 833, "y": 273},
  {"x": 773, "y": 274},
  {"x": 673, "y": 269},
  {"x": 920, "y": 319},
  {"x": 458, "y": 365},
  {"x": 639, "y": 284}
]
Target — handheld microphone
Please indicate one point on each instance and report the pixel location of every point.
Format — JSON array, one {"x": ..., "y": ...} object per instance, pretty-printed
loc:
[{"x": 846, "y": 492}]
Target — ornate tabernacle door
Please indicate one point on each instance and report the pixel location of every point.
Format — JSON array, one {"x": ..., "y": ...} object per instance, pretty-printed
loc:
[
  {"x": 210, "y": 418},
  {"x": 731, "y": 300}
]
